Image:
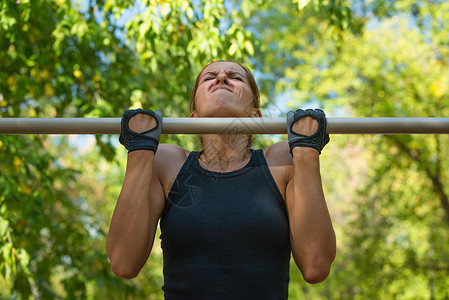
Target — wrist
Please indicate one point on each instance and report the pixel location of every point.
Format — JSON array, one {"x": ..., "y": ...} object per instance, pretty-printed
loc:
[
  {"x": 141, "y": 153},
  {"x": 306, "y": 152}
]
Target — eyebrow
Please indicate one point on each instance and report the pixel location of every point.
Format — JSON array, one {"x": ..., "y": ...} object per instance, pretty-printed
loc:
[{"x": 231, "y": 72}]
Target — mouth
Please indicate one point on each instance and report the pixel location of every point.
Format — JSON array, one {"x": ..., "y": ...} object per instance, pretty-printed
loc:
[{"x": 221, "y": 88}]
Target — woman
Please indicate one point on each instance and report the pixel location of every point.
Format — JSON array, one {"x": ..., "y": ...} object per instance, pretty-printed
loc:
[{"x": 230, "y": 216}]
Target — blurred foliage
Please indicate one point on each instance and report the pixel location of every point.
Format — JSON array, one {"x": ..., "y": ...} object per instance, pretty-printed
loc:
[
  {"x": 388, "y": 195},
  {"x": 392, "y": 235}
]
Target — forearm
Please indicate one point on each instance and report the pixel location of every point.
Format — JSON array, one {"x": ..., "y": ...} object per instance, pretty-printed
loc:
[
  {"x": 130, "y": 235},
  {"x": 312, "y": 235}
]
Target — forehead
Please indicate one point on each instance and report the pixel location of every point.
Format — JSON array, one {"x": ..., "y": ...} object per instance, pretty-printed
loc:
[{"x": 226, "y": 66}]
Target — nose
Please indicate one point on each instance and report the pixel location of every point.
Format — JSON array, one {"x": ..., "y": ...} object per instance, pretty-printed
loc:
[{"x": 222, "y": 77}]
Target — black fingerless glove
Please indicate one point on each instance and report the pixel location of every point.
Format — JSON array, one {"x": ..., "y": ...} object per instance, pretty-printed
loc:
[
  {"x": 148, "y": 140},
  {"x": 317, "y": 140}
]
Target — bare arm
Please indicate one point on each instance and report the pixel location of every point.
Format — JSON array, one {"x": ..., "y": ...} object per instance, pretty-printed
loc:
[
  {"x": 139, "y": 206},
  {"x": 312, "y": 235},
  {"x": 136, "y": 214}
]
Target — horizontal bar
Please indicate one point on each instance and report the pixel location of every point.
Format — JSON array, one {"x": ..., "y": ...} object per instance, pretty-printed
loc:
[{"x": 224, "y": 125}]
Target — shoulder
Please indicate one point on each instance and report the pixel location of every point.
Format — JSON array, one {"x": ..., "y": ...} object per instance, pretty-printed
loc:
[
  {"x": 168, "y": 161},
  {"x": 280, "y": 162},
  {"x": 278, "y": 154},
  {"x": 168, "y": 154},
  {"x": 165, "y": 151}
]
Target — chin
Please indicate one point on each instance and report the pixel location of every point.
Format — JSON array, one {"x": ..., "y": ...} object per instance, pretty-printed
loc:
[
  {"x": 223, "y": 111},
  {"x": 220, "y": 113},
  {"x": 226, "y": 115}
]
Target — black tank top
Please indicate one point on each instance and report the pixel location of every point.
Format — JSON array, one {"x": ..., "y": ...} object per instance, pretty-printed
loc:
[{"x": 225, "y": 235}]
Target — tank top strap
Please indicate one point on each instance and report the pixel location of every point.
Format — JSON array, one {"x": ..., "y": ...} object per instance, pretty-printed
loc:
[
  {"x": 191, "y": 159},
  {"x": 263, "y": 164}
]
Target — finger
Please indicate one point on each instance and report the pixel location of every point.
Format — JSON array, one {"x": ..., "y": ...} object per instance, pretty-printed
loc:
[
  {"x": 142, "y": 122},
  {"x": 305, "y": 126}
]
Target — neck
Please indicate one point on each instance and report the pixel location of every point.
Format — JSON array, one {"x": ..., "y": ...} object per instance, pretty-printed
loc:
[{"x": 225, "y": 152}]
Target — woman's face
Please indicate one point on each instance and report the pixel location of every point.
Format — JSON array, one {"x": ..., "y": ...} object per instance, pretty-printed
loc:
[{"x": 224, "y": 91}]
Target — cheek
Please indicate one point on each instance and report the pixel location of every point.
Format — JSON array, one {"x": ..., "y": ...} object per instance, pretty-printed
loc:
[
  {"x": 249, "y": 95},
  {"x": 199, "y": 93},
  {"x": 202, "y": 88}
]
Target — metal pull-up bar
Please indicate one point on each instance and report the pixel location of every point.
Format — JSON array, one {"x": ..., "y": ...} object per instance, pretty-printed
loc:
[{"x": 224, "y": 125}]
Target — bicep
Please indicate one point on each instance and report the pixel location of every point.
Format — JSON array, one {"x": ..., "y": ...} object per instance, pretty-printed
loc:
[
  {"x": 281, "y": 167},
  {"x": 157, "y": 201},
  {"x": 156, "y": 207},
  {"x": 167, "y": 162}
]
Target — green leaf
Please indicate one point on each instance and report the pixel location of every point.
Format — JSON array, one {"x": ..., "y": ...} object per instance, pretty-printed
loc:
[{"x": 4, "y": 225}]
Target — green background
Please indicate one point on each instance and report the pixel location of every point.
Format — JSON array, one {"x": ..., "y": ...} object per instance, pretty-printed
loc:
[{"x": 388, "y": 195}]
